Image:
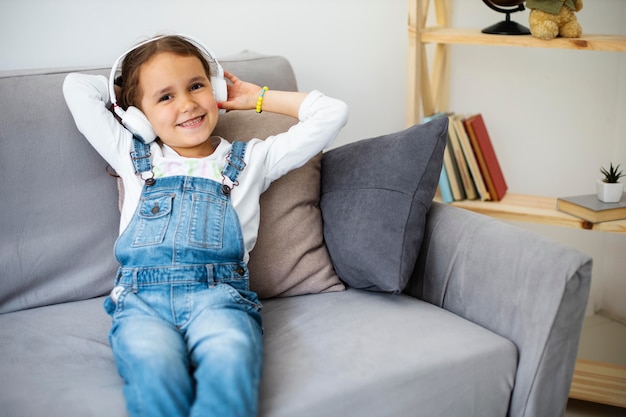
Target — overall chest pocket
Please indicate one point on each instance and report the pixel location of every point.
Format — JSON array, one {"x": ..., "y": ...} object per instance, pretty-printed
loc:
[
  {"x": 153, "y": 219},
  {"x": 206, "y": 223}
]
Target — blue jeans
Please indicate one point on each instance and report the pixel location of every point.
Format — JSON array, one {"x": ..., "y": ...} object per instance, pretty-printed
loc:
[{"x": 188, "y": 349}]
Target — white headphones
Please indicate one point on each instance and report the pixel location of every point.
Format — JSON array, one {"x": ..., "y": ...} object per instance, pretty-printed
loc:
[{"x": 134, "y": 120}]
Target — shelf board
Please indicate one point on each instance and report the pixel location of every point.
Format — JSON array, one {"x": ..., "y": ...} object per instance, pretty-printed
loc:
[
  {"x": 536, "y": 209},
  {"x": 599, "y": 382},
  {"x": 591, "y": 42}
]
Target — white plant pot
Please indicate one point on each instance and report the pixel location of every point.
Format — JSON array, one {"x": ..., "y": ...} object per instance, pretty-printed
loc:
[{"x": 609, "y": 192}]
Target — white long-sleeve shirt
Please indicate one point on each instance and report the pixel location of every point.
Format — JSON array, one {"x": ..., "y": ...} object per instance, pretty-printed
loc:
[{"x": 320, "y": 119}]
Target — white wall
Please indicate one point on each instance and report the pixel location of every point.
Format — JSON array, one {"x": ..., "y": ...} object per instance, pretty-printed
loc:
[
  {"x": 555, "y": 116},
  {"x": 352, "y": 49}
]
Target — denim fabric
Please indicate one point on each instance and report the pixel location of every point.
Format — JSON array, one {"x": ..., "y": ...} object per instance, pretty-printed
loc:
[
  {"x": 181, "y": 221},
  {"x": 187, "y": 332}
]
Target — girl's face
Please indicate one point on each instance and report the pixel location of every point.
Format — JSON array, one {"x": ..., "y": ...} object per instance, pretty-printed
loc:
[{"x": 177, "y": 98}]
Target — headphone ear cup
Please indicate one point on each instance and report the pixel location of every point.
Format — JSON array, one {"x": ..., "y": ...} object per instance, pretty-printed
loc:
[
  {"x": 137, "y": 123},
  {"x": 220, "y": 92}
]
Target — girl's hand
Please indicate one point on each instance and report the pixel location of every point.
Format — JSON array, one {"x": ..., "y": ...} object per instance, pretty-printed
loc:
[{"x": 242, "y": 95}]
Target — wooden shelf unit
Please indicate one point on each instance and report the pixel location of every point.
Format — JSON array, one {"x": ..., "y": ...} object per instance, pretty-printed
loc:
[{"x": 428, "y": 91}]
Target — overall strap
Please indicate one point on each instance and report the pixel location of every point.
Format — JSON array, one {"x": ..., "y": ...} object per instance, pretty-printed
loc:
[
  {"x": 141, "y": 156},
  {"x": 234, "y": 165}
]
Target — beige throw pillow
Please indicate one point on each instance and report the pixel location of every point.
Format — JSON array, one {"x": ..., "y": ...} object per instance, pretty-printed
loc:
[{"x": 290, "y": 257}]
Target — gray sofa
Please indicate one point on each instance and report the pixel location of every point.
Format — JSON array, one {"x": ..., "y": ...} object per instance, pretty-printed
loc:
[{"x": 439, "y": 311}]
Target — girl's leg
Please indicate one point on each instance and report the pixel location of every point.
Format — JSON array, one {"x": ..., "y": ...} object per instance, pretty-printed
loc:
[
  {"x": 225, "y": 341},
  {"x": 151, "y": 357}
]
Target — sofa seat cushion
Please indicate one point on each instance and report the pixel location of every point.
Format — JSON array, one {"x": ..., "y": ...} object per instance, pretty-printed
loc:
[
  {"x": 342, "y": 353},
  {"x": 56, "y": 361},
  {"x": 348, "y": 354}
]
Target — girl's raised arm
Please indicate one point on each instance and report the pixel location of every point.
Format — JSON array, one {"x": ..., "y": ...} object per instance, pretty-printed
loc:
[{"x": 243, "y": 95}]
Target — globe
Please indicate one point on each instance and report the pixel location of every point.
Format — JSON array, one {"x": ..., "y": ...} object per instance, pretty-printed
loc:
[{"x": 507, "y": 26}]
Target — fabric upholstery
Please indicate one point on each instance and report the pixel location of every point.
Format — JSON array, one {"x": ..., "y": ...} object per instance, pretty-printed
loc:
[
  {"x": 360, "y": 353},
  {"x": 375, "y": 197},
  {"x": 59, "y": 217}
]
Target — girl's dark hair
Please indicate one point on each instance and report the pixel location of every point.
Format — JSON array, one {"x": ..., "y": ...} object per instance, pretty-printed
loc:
[{"x": 131, "y": 65}]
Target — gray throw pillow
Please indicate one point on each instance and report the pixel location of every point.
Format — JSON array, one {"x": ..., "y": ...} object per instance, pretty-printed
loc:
[{"x": 374, "y": 200}]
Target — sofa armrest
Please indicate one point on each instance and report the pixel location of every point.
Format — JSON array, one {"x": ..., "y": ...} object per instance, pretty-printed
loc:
[{"x": 519, "y": 285}]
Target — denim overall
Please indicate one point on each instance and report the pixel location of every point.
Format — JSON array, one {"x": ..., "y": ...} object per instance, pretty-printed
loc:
[{"x": 186, "y": 333}]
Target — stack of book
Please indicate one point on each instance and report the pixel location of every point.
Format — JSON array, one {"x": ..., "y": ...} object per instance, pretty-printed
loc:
[{"x": 470, "y": 166}]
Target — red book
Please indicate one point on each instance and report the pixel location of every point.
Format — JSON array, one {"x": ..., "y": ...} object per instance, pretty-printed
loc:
[{"x": 486, "y": 156}]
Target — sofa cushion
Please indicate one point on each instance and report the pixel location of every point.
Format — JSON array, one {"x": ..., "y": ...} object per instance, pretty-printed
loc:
[
  {"x": 375, "y": 196},
  {"x": 361, "y": 353},
  {"x": 290, "y": 257}
]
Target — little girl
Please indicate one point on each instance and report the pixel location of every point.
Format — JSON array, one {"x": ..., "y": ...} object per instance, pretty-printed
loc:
[{"x": 187, "y": 333}]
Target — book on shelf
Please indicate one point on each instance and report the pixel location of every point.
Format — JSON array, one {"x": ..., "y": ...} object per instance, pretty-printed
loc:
[
  {"x": 470, "y": 157},
  {"x": 486, "y": 156},
  {"x": 589, "y": 208},
  {"x": 461, "y": 163},
  {"x": 449, "y": 179},
  {"x": 444, "y": 187},
  {"x": 452, "y": 173}
]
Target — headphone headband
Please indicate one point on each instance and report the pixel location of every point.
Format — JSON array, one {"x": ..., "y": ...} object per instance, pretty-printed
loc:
[{"x": 206, "y": 51}]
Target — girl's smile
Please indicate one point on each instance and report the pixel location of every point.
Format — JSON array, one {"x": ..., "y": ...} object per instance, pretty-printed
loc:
[{"x": 192, "y": 123}]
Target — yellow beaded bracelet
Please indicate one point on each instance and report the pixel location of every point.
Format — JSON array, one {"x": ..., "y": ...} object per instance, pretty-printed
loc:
[{"x": 259, "y": 102}]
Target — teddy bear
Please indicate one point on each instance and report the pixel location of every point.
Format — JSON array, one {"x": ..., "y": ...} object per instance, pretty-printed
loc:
[{"x": 551, "y": 18}]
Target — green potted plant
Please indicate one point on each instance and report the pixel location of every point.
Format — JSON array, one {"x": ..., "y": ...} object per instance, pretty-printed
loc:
[{"x": 609, "y": 189}]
